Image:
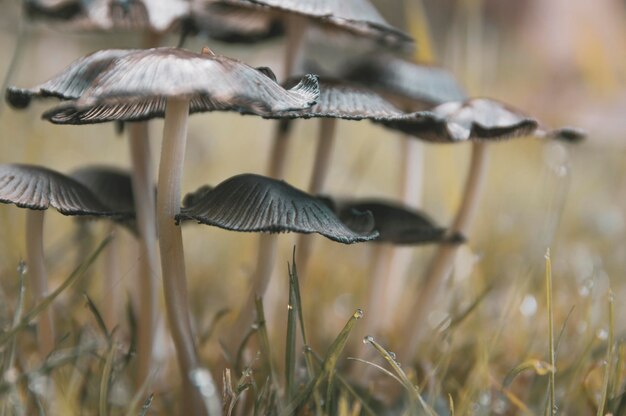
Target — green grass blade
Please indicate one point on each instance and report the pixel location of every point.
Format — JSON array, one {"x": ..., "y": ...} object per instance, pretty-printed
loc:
[
  {"x": 328, "y": 366},
  {"x": 290, "y": 348},
  {"x": 552, "y": 375},
  {"x": 5, "y": 337},
  {"x": 97, "y": 316},
  {"x": 265, "y": 343},
  {"x": 414, "y": 393},
  {"x": 105, "y": 381},
  {"x": 609, "y": 357}
]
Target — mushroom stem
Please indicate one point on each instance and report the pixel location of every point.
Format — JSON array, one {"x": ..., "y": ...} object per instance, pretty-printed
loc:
[
  {"x": 171, "y": 247},
  {"x": 39, "y": 279},
  {"x": 144, "y": 199},
  {"x": 323, "y": 153},
  {"x": 399, "y": 258},
  {"x": 295, "y": 30},
  {"x": 441, "y": 265}
]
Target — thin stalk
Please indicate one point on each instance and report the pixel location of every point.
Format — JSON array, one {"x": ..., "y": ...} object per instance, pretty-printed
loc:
[
  {"x": 323, "y": 153},
  {"x": 441, "y": 265},
  {"x": 552, "y": 375},
  {"x": 171, "y": 247},
  {"x": 39, "y": 279},
  {"x": 260, "y": 282},
  {"x": 144, "y": 198},
  {"x": 376, "y": 291},
  {"x": 392, "y": 279},
  {"x": 111, "y": 280}
]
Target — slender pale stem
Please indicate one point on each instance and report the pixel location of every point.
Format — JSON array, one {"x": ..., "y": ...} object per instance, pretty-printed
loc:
[
  {"x": 171, "y": 247},
  {"x": 111, "y": 279},
  {"x": 296, "y": 28},
  {"x": 144, "y": 198},
  {"x": 323, "y": 153},
  {"x": 39, "y": 279},
  {"x": 411, "y": 180},
  {"x": 442, "y": 263}
]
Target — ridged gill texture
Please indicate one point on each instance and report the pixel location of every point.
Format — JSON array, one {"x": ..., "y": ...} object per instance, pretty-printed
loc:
[
  {"x": 356, "y": 16},
  {"x": 254, "y": 203},
  {"x": 39, "y": 188},
  {"x": 344, "y": 100},
  {"x": 136, "y": 87},
  {"x": 472, "y": 120},
  {"x": 72, "y": 82}
]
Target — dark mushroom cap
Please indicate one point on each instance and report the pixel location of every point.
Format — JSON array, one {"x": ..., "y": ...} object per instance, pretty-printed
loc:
[
  {"x": 359, "y": 17},
  {"x": 254, "y": 203},
  {"x": 39, "y": 188},
  {"x": 565, "y": 134},
  {"x": 109, "y": 15},
  {"x": 112, "y": 186},
  {"x": 71, "y": 83},
  {"x": 136, "y": 87},
  {"x": 233, "y": 24},
  {"x": 395, "y": 223},
  {"x": 474, "y": 119},
  {"x": 408, "y": 85},
  {"x": 345, "y": 100}
]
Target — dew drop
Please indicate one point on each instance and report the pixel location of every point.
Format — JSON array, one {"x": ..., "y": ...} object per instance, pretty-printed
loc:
[
  {"x": 528, "y": 306},
  {"x": 289, "y": 307},
  {"x": 22, "y": 268},
  {"x": 368, "y": 339},
  {"x": 392, "y": 355},
  {"x": 358, "y": 314}
]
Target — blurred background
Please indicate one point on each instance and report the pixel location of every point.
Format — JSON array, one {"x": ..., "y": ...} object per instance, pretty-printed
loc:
[{"x": 563, "y": 61}]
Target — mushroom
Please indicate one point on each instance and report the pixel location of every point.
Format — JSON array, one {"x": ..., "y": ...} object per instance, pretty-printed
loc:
[
  {"x": 38, "y": 189},
  {"x": 255, "y": 203},
  {"x": 478, "y": 120},
  {"x": 171, "y": 83},
  {"x": 397, "y": 225}
]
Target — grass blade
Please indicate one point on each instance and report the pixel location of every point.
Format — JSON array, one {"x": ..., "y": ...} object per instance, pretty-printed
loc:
[
  {"x": 105, "y": 381},
  {"x": 609, "y": 357},
  {"x": 265, "y": 343},
  {"x": 98, "y": 317},
  {"x": 552, "y": 375},
  {"x": 37, "y": 309},
  {"x": 414, "y": 393},
  {"x": 328, "y": 366},
  {"x": 290, "y": 348}
]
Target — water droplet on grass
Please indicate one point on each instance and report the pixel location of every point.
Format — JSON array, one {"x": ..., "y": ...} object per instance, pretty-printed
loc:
[
  {"x": 358, "y": 314},
  {"x": 368, "y": 339}
]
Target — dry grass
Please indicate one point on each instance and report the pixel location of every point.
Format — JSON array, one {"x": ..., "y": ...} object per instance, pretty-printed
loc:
[{"x": 489, "y": 344}]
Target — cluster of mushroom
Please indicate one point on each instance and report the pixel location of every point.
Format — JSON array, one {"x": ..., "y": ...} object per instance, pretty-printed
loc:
[{"x": 136, "y": 85}]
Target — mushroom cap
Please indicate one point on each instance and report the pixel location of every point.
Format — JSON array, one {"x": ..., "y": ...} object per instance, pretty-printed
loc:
[
  {"x": 109, "y": 15},
  {"x": 136, "y": 87},
  {"x": 254, "y": 203},
  {"x": 359, "y": 17},
  {"x": 233, "y": 24},
  {"x": 408, "y": 85},
  {"x": 40, "y": 188},
  {"x": 395, "y": 223},
  {"x": 474, "y": 119},
  {"x": 112, "y": 186},
  {"x": 345, "y": 100},
  {"x": 71, "y": 83}
]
